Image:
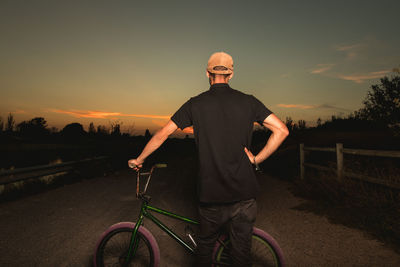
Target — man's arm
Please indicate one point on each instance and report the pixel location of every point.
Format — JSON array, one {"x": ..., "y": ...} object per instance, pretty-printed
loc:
[
  {"x": 279, "y": 133},
  {"x": 155, "y": 142}
]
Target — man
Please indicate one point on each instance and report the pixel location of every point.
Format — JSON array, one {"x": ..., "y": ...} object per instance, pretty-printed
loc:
[{"x": 223, "y": 120}]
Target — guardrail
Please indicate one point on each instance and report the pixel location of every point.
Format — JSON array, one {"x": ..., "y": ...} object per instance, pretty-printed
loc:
[
  {"x": 340, "y": 172},
  {"x": 22, "y": 174}
]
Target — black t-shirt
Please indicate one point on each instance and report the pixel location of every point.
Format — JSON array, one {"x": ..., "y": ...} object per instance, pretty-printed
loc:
[{"x": 223, "y": 120}]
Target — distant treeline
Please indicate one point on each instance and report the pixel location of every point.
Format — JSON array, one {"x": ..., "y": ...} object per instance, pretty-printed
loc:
[
  {"x": 37, "y": 130},
  {"x": 381, "y": 111}
]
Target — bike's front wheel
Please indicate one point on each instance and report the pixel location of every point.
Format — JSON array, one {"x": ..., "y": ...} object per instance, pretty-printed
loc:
[
  {"x": 265, "y": 251},
  {"x": 112, "y": 247}
]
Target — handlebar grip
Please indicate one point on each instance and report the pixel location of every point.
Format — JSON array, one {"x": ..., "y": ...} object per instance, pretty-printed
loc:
[
  {"x": 161, "y": 165},
  {"x": 132, "y": 165}
]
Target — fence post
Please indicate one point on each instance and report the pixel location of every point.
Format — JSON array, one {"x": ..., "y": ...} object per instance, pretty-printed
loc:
[
  {"x": 339, "y": 158},
  {"x": 302, "y": 161}
]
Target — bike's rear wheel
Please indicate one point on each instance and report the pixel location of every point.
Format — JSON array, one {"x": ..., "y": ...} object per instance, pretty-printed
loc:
[
  {"x": 265, "y": 251},
  {"x": 113, "y": 246}
]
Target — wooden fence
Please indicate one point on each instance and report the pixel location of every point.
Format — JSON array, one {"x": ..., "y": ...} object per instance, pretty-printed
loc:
[
  {"x": 340, "y": 172},
  {"x": 22, "y": 174}
]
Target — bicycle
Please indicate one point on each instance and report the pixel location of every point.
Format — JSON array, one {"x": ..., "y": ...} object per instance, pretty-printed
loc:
[{"x": 131, "y": 244}]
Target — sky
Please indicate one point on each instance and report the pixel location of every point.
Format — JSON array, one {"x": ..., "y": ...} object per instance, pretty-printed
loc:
[{"x": 136, "y": 62}]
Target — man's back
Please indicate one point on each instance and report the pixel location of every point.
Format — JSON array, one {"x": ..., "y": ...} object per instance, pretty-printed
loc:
[{"x": 222, "y": 120}]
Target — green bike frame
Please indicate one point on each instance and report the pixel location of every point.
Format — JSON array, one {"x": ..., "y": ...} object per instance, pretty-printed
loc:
[{"x": 145, "y": 212}]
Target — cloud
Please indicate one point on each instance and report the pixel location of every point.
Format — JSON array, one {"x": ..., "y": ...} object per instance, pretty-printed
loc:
[
  {"x": 351, "y": 55},
  {"x": 147, "y": 116},
  {"x": 86, "y": 113},
  {"x": 322, "y": 106},
  {"x": 295, "y": 106},
  {"x": 158, "y": 123},
  {"x": 19, "y": 111},
  {"x": 347, "y": 47},
  {"x": 321, "y": 68},
  {"x": 359, "y": 78},
  {"x": 327, "y": 106},
  {"x": 104, "y": 114},
  {"x": 350, "y": 50}
]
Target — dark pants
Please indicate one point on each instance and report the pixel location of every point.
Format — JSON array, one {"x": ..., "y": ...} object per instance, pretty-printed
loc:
[{"x": 239, "y": 218}]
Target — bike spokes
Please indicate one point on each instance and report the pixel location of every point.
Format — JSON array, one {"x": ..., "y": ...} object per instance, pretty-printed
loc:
[{"x": 116, "y": 251}]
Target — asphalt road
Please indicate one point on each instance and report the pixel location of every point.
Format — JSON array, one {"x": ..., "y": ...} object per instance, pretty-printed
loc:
[{"x": 60, "y": 227}]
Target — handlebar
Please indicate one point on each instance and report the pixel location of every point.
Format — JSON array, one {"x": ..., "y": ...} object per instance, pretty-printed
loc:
[
  {"x": 157, "y": 165},
  {"x": 148, "y": 174}
]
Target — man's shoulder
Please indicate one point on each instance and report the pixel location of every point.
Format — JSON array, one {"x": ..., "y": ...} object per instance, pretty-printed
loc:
[
  {"x": 202, "y": 94},
  {"x": 208, "y": 93},
  {"x": 241, "y": 93},
  {"x": 200, "y": 97}
]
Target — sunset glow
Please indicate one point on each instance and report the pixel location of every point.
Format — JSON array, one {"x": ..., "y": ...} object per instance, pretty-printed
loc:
[
  {"x": 295, "y": 106},
  {"x": 138, "y": 62},
  {"x": 104, "y": 115}
]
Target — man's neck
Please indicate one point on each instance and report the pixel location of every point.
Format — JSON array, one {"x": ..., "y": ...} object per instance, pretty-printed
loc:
[
  {"x": 220, "y": 80},
  {"x": 219, "y": 83}
]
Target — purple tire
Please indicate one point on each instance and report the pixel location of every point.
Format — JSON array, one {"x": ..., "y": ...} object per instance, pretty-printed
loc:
[
  {"x": 265, "y": 250},
  {"x": 112, "y": 247}
]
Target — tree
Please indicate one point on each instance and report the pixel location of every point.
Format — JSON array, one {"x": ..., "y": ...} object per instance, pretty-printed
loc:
[
  {"x": 259, "y": 137},
  {"x": 302, "y": 124},
  {"x": 1, "y": 124},
  {"x": 10, "y": 123},
  {"x": 147, "y": 135},
  {"x": 382, "y": 103},
  {"x": 319, "y": 122},
  {"x": 35, "y": 128},
  {"x": 130, "y": 130},
  {"x": 289, "y": 123},
  {"x": 102, "y": 130},
  {"x": 116, "y": 128},
  {"x": 53, "y": 130},
  {"x": 92, "y": 129},
  {"x": 73, "y": 131},
  {"x": 295, "y": 127}
]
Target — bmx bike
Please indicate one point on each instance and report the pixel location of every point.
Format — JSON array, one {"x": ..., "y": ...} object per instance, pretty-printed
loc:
[{"x": 131, "y": 244}]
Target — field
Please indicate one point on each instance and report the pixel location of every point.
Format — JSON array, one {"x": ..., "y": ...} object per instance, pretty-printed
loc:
[{"x": 370, "y": 207}]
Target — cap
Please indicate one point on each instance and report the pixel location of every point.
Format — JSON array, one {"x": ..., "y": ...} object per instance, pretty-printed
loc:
[{"x": 220, "y": 63}]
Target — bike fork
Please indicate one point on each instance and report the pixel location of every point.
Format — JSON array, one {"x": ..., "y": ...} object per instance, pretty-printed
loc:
[{"x": 133, "y": 245}]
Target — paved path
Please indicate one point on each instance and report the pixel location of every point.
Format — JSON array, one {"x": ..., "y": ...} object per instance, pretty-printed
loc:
[{"x": 60, "y": 227}]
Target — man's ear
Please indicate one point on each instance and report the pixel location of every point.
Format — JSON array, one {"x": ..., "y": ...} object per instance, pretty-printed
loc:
[
  {"x": 208, "y": 74},
  {"x": 230, "y": 76}
]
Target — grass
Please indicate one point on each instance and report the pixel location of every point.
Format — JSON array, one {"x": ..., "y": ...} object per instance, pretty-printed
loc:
[{"x": 372, "y": 208}]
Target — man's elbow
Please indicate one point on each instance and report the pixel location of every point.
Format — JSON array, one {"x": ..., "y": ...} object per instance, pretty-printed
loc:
[{"x": 284, "y": 131}]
